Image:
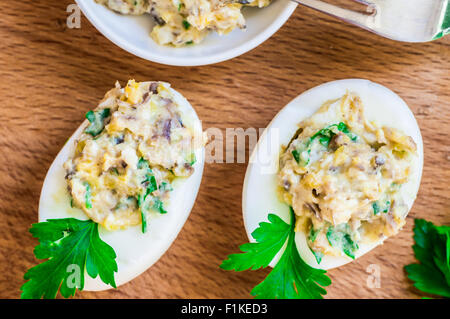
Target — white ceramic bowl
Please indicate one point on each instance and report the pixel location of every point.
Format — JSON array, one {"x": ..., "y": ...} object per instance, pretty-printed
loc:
[{"x": 133, "y": 34}]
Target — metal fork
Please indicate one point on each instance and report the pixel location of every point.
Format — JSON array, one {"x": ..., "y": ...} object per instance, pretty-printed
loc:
[{"x": 401, "y": 20}]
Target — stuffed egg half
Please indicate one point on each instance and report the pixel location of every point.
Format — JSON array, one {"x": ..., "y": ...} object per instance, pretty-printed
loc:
[
  {"x": 347, "y": 156},
  {"x": 134, "y": 167}
]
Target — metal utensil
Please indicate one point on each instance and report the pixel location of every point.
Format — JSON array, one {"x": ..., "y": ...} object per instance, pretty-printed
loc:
[{"x": 401, "y": 20}]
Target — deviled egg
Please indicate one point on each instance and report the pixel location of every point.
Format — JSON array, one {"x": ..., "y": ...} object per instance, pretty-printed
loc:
[
  {"x": 134, "y": 167},
  {"x": 347, "y": 156}
]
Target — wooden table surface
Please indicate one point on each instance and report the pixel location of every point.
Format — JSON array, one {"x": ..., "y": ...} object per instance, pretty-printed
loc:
[{"x": 51, "y": 75}]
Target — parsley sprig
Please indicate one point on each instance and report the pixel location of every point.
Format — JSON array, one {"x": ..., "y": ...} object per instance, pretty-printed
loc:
[
  {"x": 291, "y": 278},
  {"x": 432, "y": 250},
  {"x": 66, "y": 243}
]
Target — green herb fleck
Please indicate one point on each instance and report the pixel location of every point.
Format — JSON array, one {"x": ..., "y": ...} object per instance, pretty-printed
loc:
[
  {"x": 96, "y": 119},
  {"x": 143, "y": 164},
  {"x": 313, "y": 233},
  {"x": 317, "y": 254},
  {"x": 325, "y": 135},
  {"x": 159, "y": 206},
  {"x": 143, "y": 221},
  {"x": 152, "y": 186},
  {"x": 192, "y": 159},
  {"x": 88, "y": 196},
  {"x": 302, "y": 152},
  {"x": 165, "y": 187},
  {"x": 340, "y": 238},
  {"x": 143, "y": 204},
  {"x": 149, "y": 179},
  {"x": 381, "y": 207},
  {"x": 186, "y": 25}
]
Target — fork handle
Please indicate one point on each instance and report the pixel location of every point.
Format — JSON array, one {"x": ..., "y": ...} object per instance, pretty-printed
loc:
[
  {"x": 445, "y": 26},
  {"x": 353, "y": 17}
]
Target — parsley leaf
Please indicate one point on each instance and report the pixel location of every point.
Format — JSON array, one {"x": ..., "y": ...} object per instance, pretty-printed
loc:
[
  {"x": 291, "y": 277},
  {"x": 67, "y": 243},
  {"x": 432, "y": 250},
  {"x": 270, "y": 239}
]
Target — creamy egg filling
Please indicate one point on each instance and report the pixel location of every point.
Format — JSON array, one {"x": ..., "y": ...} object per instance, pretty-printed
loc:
[
  {"x": 342, "y": 176},
  {"x": 184, "y": 22},
  {"x": 136, "y": 144}
]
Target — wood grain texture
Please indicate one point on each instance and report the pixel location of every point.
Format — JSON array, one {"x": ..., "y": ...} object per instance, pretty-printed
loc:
[{"x": 52, "y": 75}]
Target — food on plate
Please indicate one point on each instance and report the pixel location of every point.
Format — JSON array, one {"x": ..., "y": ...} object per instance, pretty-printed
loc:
[
  {"x": 342, "y": 175},
  {"x": 120, "y": 189},
  {"x": 332, "y": 176},
  {"x": 185, "y": 22},
  {"x": 349, "y": 166}
]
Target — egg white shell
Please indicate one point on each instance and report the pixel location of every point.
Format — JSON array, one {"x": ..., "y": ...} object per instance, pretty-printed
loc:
[
  {"x": 259, "y": 192},
  {"x": 135, "y": 251}
]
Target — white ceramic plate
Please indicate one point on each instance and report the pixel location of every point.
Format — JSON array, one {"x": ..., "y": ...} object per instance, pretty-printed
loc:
[
  {"x": 133, "y": 34},
  {"x": 259, "y": 196}
]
